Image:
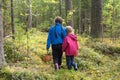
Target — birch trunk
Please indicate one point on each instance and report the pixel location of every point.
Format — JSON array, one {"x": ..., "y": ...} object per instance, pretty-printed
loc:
[{"x": 2, "y": 59}]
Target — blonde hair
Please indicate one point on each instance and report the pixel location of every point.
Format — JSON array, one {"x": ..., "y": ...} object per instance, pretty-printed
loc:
[{"x": 69, "y": 29}]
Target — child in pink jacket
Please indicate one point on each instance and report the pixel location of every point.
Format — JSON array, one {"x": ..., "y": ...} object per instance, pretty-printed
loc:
[{"x": 70, "y": 47}]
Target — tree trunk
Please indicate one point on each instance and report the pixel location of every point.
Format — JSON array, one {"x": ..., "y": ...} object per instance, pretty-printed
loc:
[
  {"x": 12, "y": 20},
  {"x": 2, "y": 59},
  {"x": 96, "y": 19},
  {"x": 60, "y": 1},
  {"x": 82, "y": 21},
  {"x": 69, "y": 8},
  {"x": 79, "y": 15},
  {"x": 29, "y": 19},
  {"x": 6, "y": 28}
]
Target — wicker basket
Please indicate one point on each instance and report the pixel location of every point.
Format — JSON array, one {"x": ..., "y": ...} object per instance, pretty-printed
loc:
[{"x": 47, "y": 57}]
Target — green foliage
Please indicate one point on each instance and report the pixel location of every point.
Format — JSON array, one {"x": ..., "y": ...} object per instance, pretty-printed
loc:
[
  {"x": 13, "y": 48},
  {"x": 68, "y": 75},
  {"x": 22, "y": 76},
  {"x": 44, "y": 26},
  {"x": 111, "y": 17},
  {"x": 88, "y": 59},
  {"x": 107, "y": 48},
  {"x": 11, "y": 52},
  {"x": 92, "y": 64},
  {"x": 5, "y": 73}
]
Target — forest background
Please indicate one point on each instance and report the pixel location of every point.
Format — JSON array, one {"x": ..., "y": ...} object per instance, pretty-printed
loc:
[{"x": 24, "y": 25}]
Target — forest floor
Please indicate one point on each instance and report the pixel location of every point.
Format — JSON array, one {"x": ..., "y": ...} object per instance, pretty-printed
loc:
[{"x": 95, "y": 60}]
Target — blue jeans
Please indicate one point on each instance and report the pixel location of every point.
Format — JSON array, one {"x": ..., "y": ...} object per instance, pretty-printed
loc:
[{"x": 70, "y": 62}]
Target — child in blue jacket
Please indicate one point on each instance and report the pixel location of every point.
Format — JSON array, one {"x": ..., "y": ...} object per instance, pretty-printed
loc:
[{"x": 55, "y": 39}]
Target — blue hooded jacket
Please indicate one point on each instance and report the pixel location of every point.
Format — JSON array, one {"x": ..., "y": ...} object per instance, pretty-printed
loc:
[{"x": 56, "y": 35}]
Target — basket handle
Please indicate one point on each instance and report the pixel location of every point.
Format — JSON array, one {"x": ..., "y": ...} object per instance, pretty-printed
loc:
[{"x": 47, "y": 51}]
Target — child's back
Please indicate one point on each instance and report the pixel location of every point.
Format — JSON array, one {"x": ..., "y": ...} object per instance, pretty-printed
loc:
[{"x": 70, "y": 47}]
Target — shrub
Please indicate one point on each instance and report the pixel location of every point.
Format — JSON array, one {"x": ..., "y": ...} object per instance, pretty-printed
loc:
[
  {"x": 106, "y": 48},
  {"x": 6, "y": 73},
  {"x": 88, "y": 58},
  {"x": 11, "y": 53}
]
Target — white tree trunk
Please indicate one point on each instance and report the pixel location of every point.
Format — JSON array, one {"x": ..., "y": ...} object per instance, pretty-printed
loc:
[
  {"x": 30, "y": 13},
  {"x": 2, "y": 59}
]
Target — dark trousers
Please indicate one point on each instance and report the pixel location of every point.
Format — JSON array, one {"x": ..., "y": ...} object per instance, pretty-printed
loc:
[
  {"x": 70, "y": 62},
  {"x": 57, "y": 54}
]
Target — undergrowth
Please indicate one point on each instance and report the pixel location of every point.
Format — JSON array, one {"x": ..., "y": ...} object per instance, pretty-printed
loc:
[{"x": 97, "y": 60}]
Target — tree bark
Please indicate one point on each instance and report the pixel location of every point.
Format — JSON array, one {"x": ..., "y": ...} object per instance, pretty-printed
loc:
[
  {"x": 69, "y": 8},
  {"x": 2, "y": 59},
  {"x": 60, "y": 2},
  {"x": 6, "y": 28},
  {"x": 29, "y": 19},
  {"x": 79, "y": 14},
  {"x": 82, "y": 21},
  {"x": 96, "y": 19},
  {"x": 12, "y": 20}
]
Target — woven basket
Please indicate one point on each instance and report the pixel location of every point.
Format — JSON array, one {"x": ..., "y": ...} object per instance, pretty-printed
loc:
[{"x": 46, "y": 57}]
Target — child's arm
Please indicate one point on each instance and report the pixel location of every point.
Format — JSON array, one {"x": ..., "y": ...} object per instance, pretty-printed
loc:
[
  {"x": 77, "y": 44},
  {"x": 64, "y": 44},
  {"x": 48, "y": 40}
]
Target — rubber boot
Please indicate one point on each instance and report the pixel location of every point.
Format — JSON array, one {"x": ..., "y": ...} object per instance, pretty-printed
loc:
[
  {"x": 75, "y": 68},
  {"x": 56, "y": 66}
]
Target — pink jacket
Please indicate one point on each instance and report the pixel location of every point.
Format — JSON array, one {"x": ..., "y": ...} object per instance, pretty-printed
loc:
[{"x": 70, "y": 45}]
